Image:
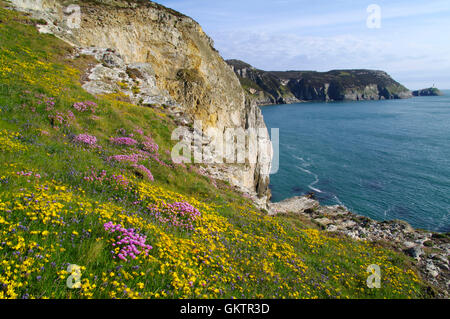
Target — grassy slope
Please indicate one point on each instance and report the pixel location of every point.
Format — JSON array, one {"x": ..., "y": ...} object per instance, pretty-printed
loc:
[{"x": 52, "y": 216}]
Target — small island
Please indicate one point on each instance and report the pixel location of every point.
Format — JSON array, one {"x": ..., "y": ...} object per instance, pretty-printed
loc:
[{"x": 428, "y": 92}]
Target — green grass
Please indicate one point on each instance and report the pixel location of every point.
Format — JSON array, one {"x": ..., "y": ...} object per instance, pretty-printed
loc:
[{"x": 56, "y": 216}]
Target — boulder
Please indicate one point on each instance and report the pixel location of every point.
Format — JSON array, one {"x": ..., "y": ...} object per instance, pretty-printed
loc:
[{"x": 416, "y": 252}]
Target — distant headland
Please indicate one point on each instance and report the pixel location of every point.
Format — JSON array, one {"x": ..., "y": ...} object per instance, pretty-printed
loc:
[
  {"x": 428, "y": 92},
  {"x": 285, "y": 87}
]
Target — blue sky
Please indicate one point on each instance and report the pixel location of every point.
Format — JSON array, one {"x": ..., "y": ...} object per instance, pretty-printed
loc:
[{"x": 412, "y": 44}]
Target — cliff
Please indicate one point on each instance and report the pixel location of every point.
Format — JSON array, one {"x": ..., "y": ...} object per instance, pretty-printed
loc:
[
  {"x": 427, "y": 92},
  {"x": 182, "y": 70},
  {"x": 270, "y": 87},
  {"x": 89, "y": 179}
]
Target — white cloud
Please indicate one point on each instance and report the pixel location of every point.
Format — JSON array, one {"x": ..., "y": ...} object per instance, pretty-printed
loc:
[
  {"x": 324, "y": 35},
  {"x": 294, "y": 52}
]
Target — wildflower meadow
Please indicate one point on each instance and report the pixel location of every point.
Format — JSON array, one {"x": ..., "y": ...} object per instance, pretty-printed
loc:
[{"x": 88, "y": 181}]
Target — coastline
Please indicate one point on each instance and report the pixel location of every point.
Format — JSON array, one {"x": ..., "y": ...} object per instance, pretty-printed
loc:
[
  {"x": 429, "y": 250},
  {"x": 329, "y": 101}
]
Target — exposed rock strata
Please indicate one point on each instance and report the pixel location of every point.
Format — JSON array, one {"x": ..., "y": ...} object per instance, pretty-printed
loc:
[{"x": 158, "y": 56}]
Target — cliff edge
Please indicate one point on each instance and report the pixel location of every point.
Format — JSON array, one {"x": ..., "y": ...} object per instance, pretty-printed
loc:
[{"x": 182, "y": 69}]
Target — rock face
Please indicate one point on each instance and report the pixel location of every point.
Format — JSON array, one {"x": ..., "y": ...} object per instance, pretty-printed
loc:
[
  {"x": 427, "y": 92},
  {"x": 295, "y": 86},
  {"x": 158, "y": 56},
  {"x": 430, "y": 251},
  {"x": 263, "y": 87},
  {"x": 137, "y": 81},
  {"x": 294, "y": 204}
]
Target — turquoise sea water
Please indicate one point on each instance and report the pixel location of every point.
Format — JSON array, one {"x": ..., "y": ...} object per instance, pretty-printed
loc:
[{"x": 382, "y": 159}]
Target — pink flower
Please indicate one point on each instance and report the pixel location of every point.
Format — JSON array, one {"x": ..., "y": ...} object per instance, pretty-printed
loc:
[
  {"x": 102, "y": 176},
  {"x": 85, "y": 106},
  {"x": 86, "y": 139},
  {"x": 131, "y": 243},
  {"x": 150, "y": 145},
  {"x": 139, "y": 131},
  {"x": 145, "y": 171},
  {"x": 123, "y": 141},
  {"x": 132, "y": 158},
  {"x": 178, "y": 214}
]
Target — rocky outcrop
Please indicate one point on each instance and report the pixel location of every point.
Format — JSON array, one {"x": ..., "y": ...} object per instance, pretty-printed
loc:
[
  {"x": 296, "y": 86},
  {"x": 429, "y": 250},
  {"x": 157, "y": 56},
  {"x": 427, "y": 92},
  {"x": 137, "y": 81},
  {"x": 262, "y": 87},
  {"x": 298, "y": 204}
]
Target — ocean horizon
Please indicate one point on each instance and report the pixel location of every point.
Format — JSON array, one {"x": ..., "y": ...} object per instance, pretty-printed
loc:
[{"x": 387, "y": 159}]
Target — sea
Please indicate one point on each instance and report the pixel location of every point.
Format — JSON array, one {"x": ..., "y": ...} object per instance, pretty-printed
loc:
[{"x": 386, "y": 159}]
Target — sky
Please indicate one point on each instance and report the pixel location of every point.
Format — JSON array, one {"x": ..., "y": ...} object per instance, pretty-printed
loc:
[{"x": 410, "y": 40}]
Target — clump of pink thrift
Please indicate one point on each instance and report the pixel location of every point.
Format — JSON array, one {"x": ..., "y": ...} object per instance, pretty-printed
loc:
[
  {"x": 130, "y": 243},
  {"x": 145, "y": 171},
  {"x": 139, "y": 131},
  {"x": 179, "y": 214},
  {"x": 123, "y": 141},
  {"x": 86, "y": 139},
  {"x": 102, "y": 176},
  {"x": 58, "y": 118},
  {"x": 85, "y": 106},
  {"x": 149, "y": 145},
  {"x": 132, "y": 158}
]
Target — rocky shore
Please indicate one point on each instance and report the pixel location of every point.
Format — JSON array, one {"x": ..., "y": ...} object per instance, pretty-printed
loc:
[{"x": 429, "y": 251}]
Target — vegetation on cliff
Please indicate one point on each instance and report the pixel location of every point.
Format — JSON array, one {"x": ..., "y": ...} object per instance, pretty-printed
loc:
[
  {"x": 178, "y": 60},
  {"x": 295, "y": 86},
  {"x": 88, "y": 180}
]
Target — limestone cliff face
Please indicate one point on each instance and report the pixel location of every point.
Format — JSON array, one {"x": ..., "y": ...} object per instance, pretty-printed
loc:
[{"x": 173, "y": 50}]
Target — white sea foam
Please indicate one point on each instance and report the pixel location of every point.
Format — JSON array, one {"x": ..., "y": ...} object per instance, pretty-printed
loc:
[
  {"x": 338, "y": 200},
  {"x": 316, "y": 179}
]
